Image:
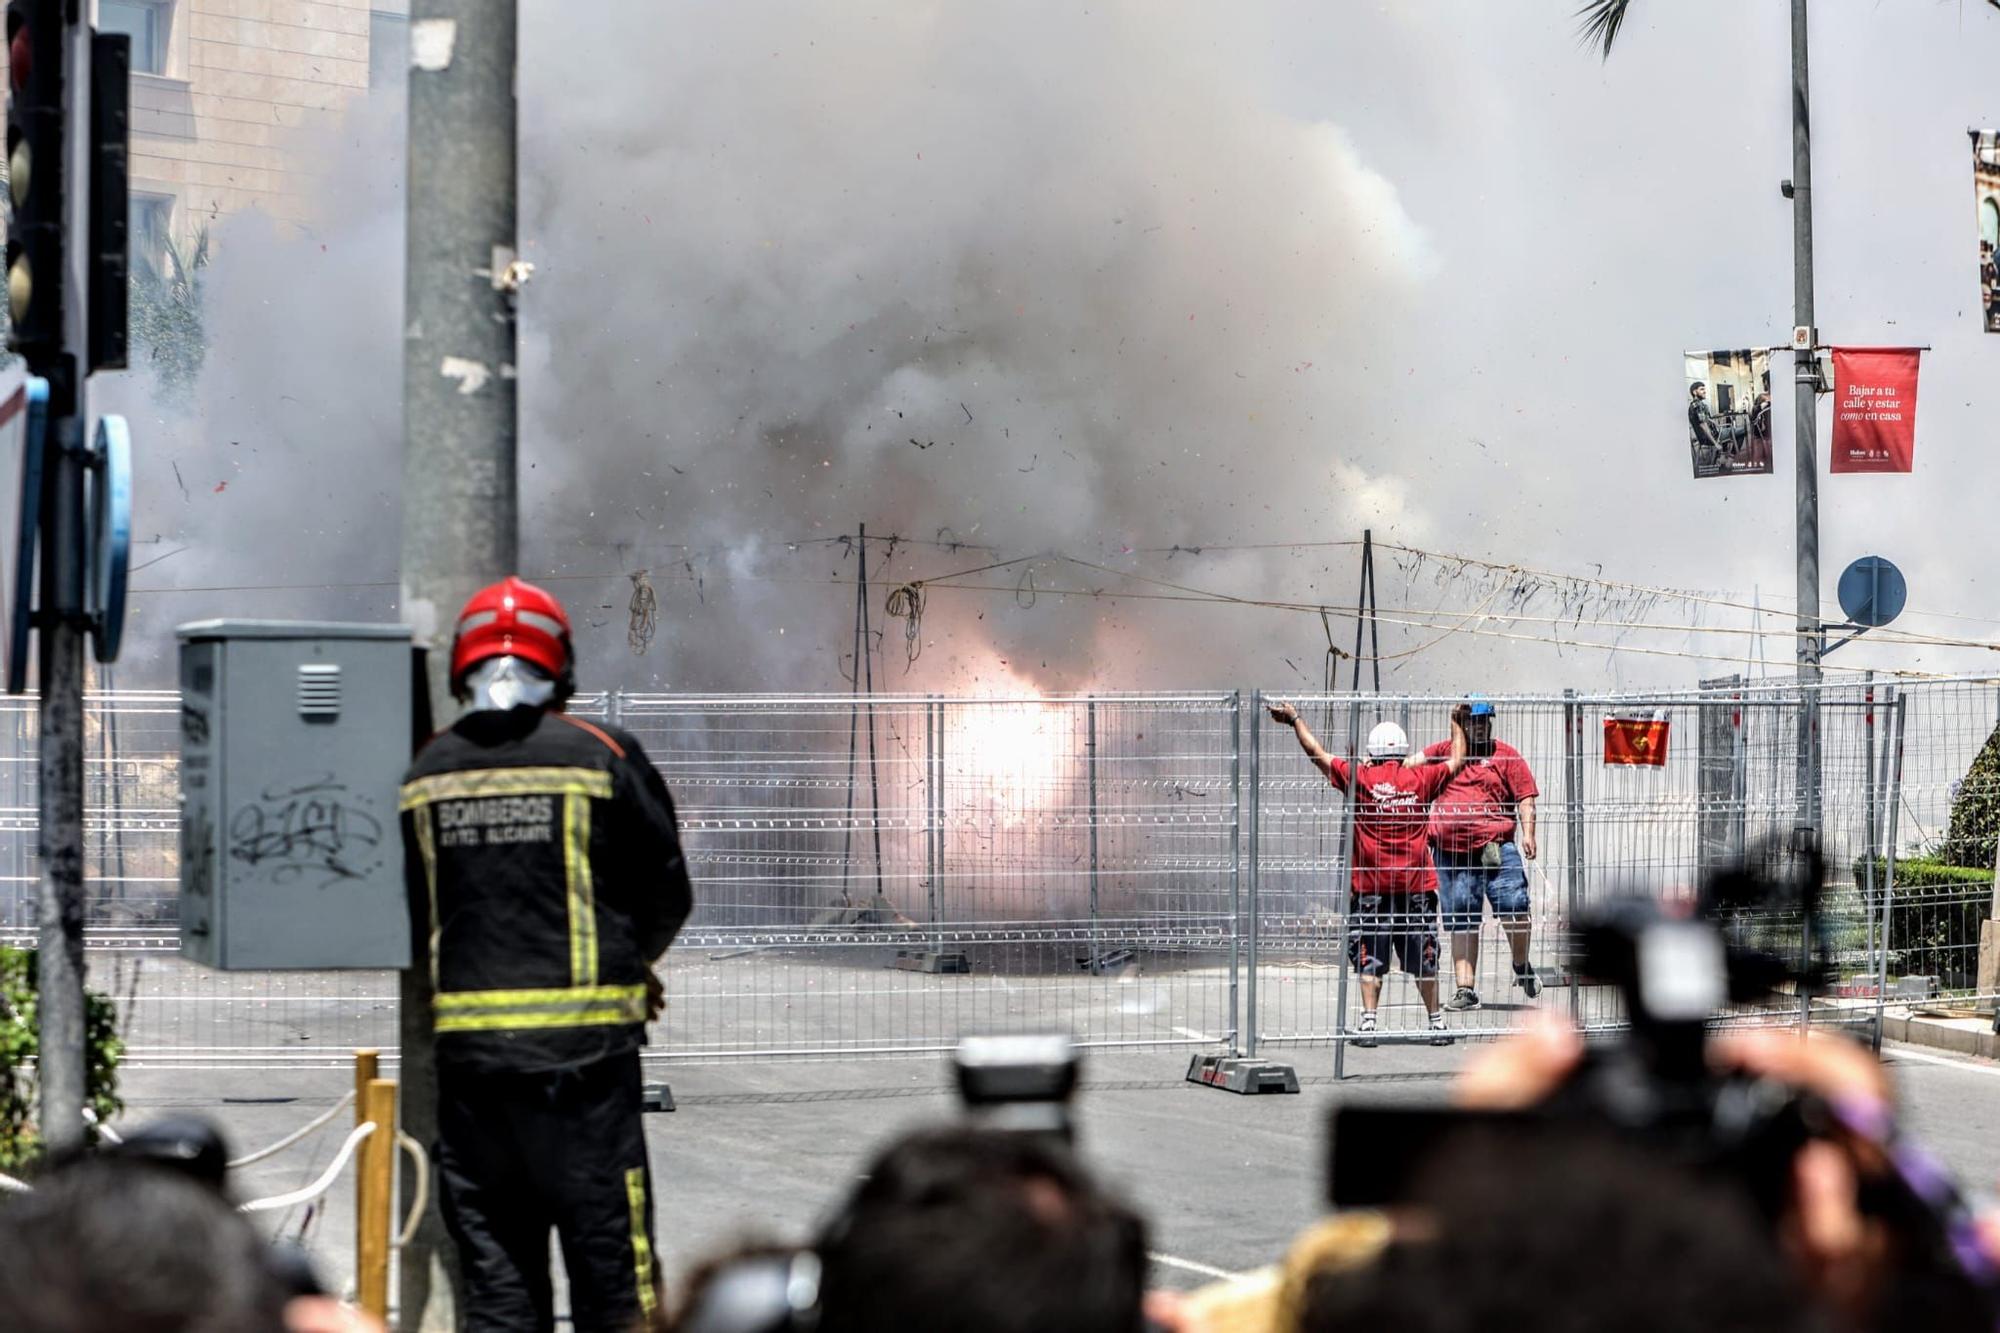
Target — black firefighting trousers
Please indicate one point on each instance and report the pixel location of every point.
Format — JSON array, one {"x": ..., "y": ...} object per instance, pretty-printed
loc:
[{"x": 518, "y": 1154}]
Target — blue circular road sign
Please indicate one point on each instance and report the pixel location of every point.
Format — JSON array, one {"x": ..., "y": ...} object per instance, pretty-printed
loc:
[
  {"x": 1872, "y": 591},
  {"x": 110, "y": 534}
]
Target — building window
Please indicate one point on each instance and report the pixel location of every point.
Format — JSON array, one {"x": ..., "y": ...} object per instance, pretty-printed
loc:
[
  {"x": 149, "y": 226},
  {"x": 145, "y": 22},
  {"x": 388, "y": 50},
  {"x": 1989, "y": 221}
]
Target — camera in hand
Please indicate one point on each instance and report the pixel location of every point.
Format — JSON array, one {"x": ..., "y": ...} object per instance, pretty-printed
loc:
[{"x": 1019, "y": 1083}]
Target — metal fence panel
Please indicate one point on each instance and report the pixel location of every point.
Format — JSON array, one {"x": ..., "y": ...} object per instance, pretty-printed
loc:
[
  {"x": 1730, "y": 779},
  {"x": 1094, "y": 864},
  {"x": 882, "y": 877}
]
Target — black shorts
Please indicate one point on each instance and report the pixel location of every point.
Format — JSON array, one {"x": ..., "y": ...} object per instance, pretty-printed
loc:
[{"x": 1404, "y": 922}]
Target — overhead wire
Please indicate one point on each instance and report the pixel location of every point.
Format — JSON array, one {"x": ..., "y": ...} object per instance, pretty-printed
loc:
[{"x": 1026, "y": 590}]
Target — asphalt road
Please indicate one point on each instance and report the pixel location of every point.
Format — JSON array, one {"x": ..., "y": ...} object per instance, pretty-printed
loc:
[{"x": 764, "y": 1149}]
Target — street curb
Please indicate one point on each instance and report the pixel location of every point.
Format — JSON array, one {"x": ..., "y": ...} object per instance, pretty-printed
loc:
[{"x": 1959, "y": 1036}]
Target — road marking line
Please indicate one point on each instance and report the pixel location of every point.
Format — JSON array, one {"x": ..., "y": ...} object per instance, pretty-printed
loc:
[
  {"x": 1205, "y": 1270},
  {"x": 1902, "y": 1052}
]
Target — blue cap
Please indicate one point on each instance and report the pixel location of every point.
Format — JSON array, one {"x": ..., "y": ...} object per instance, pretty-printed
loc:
[{"x": 1481, "y": 705}]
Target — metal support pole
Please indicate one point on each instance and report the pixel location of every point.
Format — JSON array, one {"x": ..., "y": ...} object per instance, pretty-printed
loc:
[
  {"x": 61, "y": 1058},
  {"x": 1090, "y": 761},
  {"x": 1805, "y": 433},
  {"x": 1236, "y": 865},
  {"x": 1573, "y": 886},
  {"x": 1344, "y": 884},
  {"x": 854, "y": 719},
  {"x": 1250, "y": 919},
  {"x": 460, "y": 485},
  {"x": 867, "y": 666}
]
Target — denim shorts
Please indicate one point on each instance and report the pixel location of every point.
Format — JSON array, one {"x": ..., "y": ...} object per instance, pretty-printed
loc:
[{"x": 1464, "y": 884}]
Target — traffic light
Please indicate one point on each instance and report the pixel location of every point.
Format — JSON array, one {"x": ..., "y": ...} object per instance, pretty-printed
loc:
[
  {"x": 35, "y": 34},
  {"x": 110, "y": 199}
]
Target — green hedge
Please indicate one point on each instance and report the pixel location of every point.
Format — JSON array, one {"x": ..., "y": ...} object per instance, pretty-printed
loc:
[
  {"x": 19, "y": 1040},
  {"x": 1936, "y": 935}
]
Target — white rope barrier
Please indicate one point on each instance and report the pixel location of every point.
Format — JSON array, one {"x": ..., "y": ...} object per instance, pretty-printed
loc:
[
  {"x": 422, "y": 1162},
  {"x": 296, "y": 1135},
  {"x": 111, "y": 1135},
  {"x": 320, "y": 1186}
]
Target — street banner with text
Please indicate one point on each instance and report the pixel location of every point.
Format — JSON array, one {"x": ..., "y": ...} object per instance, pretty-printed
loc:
[{"x": 1874, "y": 408}]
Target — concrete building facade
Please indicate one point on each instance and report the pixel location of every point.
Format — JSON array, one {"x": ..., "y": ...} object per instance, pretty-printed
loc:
[{"x": 222, "y": 93}]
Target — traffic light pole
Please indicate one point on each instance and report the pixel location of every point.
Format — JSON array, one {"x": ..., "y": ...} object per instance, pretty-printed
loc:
[
  {"x": 460, "y": 511},
  {"x": 61, "y": 1059}
]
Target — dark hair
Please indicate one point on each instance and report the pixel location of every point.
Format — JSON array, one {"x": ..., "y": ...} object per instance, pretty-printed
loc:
[
  {"x": 1696, "y": 385},
  {"x": 135, "y": 1246},
  {"x": 1569, "y": 1233},
  {"x": 982, "y": 1231}
]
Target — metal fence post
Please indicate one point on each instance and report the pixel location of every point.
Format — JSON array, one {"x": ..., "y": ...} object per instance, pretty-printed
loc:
[
  {"x": 1892, "y": 793},
  {"x": 1235, "y": 868},
  {"x": 933, "y": 809},
  {"x": 1250, "y": 924},
  {"x": 1573, "y": 836},
  {"x": 1868, "y": 820},
  {"x": 1344, "y": 883},
  {"x": 1090, "y": 763}
]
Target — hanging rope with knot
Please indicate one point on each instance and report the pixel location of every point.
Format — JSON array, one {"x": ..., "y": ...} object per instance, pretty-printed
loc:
[
  {"x": 645, "y": 614},
  {"x": 907, "y": 604}
]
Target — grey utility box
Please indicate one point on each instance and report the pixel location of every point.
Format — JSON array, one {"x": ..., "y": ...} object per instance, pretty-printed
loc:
[{"x": 294, "y": 738}]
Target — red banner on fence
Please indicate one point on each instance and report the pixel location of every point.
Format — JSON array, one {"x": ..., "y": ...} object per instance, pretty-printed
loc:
[
  {"x": 1636, "y": 740},
  {"x": 1874, "y": 408}
]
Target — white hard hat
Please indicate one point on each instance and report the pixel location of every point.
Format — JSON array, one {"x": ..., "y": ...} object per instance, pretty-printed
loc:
[{"x": 1387, "y": 741}]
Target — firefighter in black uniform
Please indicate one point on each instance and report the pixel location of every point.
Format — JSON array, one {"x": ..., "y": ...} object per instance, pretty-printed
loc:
[{"x": 547, "y": 848}]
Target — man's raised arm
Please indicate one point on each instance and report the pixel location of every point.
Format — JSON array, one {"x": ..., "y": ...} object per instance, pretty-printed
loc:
[{"x": 1289, "y": 716}]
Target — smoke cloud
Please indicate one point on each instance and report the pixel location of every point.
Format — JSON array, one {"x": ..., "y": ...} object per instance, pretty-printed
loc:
[{"x": 1110, "y": 282}]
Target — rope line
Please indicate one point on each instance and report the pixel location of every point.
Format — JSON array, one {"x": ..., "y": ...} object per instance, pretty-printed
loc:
[
  {"x": 318, "y": 1187},
  {"x": 421, "y": 1160},
  {"x": 295, "y": 1136}
]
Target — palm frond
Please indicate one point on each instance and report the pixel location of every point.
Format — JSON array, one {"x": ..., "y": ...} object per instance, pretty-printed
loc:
[{"x": 1599, "y": 20}]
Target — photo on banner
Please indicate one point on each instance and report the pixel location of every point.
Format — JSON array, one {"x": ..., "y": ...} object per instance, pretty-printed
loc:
[
  {"x": 1729, "y": 412},
  {"x": 1986, "y": 187},
  {"x": 1875, "y": 409}
]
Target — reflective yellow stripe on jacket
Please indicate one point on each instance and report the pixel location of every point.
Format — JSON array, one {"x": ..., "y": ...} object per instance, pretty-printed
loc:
[
  {"x": 506, "y": 782},
  {"x": 553, "y": 1007}
]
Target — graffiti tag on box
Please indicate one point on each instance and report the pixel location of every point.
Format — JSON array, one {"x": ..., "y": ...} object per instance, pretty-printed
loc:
[{"x": 313, "y": 829}]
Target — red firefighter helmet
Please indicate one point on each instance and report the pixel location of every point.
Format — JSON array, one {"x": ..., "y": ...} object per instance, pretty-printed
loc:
[{"x": 511, "y": 618}]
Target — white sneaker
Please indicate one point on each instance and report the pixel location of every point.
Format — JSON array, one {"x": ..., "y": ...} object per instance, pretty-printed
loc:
[
  {"x": 1440, "y": 1034},
  {"x": 1364, "y": 1030}
]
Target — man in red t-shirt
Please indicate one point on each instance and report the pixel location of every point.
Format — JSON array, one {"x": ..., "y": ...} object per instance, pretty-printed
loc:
[
  {"x": 1482, "y": 827},
  {"x": 1392, "y": 902}
]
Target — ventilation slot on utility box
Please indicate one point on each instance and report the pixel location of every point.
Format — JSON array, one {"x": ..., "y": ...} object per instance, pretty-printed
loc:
[{"x": 319, "y": 690}]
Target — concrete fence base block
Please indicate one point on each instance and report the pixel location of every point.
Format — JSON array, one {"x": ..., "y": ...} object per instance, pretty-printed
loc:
[{"x": 1242, "y": 1074}]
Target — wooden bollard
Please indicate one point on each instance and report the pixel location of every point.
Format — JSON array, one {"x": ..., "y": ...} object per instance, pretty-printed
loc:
[
  {"x": 374, "y": 1191},
  {"x": 365, "y": 1072}
]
